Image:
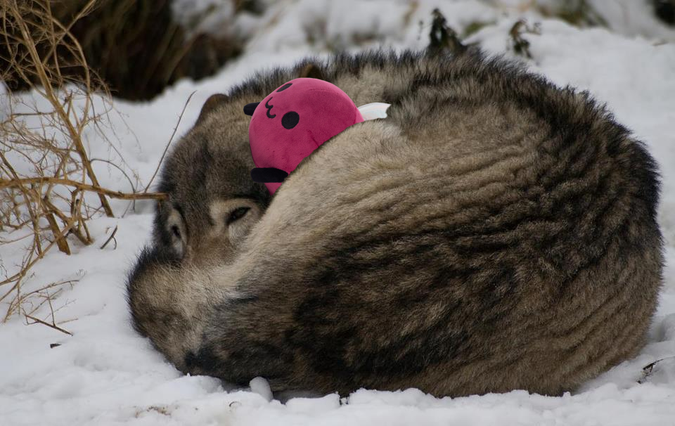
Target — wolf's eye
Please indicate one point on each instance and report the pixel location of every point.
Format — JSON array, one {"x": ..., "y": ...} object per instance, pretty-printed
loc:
[
  {"x": 237, "y": 214},
  {"x": 290, "y": 120},
  {"x": 175, "y": 231}
]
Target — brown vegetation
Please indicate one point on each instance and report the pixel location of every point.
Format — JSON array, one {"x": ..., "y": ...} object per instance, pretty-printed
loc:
[
  {"x": 48, "y": 187},
  {"x": 134, "y": 45}
]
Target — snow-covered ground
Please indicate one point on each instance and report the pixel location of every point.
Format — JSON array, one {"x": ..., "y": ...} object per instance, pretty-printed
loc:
[{"x": 106, "y": 374}]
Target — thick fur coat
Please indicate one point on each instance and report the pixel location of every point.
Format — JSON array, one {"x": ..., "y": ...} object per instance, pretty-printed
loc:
[{"x": 495, "y": 232}]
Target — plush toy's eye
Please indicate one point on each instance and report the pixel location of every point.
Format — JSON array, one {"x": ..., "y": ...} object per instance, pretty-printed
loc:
[
  {"x": 290, "y": 120},
  {"x": 284, "y": 87}
]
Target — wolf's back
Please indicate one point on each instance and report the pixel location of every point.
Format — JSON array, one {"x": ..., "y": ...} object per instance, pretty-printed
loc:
[{"x": 494, "y": 233}]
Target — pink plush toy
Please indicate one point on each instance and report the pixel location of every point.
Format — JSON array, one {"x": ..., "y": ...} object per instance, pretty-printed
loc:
[{"x": 293, "y": 121}]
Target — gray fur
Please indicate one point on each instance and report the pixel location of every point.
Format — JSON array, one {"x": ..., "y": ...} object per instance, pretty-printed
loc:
[{"x": 494, "y": 233}]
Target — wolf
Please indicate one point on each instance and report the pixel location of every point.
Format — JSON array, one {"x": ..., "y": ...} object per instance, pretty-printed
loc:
[{"x": 494, "y": 232}]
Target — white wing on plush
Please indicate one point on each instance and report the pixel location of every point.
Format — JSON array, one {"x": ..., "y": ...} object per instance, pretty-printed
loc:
[{"x": 374, "y": 110}]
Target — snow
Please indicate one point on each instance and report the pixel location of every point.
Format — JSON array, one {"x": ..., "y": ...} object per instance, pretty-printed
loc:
[{"x": 105, "y": 374}]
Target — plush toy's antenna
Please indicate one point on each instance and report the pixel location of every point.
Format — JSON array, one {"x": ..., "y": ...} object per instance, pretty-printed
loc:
[
  {"x": 250, "y": 108},
  {"x": 268, "y": 175}
]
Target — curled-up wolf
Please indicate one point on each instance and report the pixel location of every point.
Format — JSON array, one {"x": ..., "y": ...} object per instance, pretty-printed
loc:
[{"x": 494, "y": 232}]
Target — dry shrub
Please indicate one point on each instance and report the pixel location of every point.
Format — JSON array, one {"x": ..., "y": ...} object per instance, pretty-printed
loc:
[
  {"x": 48, "y": 188},
  {"x": 519, "y": 44},
  {"x": 136, "y": 46},
  {"x": 442, "y": 37}
]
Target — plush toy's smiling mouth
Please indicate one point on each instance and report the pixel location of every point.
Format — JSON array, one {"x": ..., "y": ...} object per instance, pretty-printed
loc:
[{"x": 269, "y": 108}]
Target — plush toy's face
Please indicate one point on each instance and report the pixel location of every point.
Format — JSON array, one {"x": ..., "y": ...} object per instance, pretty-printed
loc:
[{"x": 293, "y": 121}]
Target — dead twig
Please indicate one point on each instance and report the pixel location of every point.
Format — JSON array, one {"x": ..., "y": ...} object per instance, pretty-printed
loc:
[
  {"x": 111, "y": 237},
  {"x": 52, "y": 325},
  {"x": 648, "y": 369},
  {"x": 166, "y": 148},
  {"x": 442, "y": 37},
  {"x": 82, "y": 186},
  {"x": 519, "y": 44}
]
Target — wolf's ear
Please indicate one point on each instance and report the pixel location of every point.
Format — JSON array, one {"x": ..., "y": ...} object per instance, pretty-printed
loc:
[
  {"x": 312, "y": 71},
  {"x": 213, "y": 102}
]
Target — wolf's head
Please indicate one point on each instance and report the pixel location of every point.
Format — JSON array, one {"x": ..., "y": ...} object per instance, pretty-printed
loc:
[{"x": 212, "y": 201}]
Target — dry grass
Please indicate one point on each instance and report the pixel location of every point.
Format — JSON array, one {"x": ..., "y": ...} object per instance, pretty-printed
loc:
[
  {"x": 139, "y": 49},
  {"x": 48, "y": 187}
]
